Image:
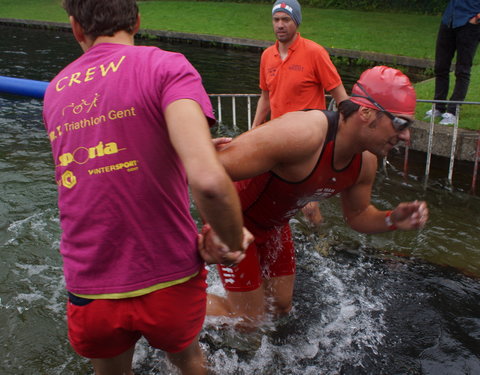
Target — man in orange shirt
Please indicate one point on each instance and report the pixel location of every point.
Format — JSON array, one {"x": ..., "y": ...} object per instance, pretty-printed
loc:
[{"x": 294, "y": 74}]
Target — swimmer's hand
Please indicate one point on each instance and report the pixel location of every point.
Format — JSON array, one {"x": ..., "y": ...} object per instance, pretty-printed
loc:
[
  {"x": 312, "y": 213},
  {"x": 410, "y": 215},
  {"x": 220, "y": 143},
  {"x": 214, "y": 251}
]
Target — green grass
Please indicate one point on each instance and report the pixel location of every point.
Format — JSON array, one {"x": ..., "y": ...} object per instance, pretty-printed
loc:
[
  {"x": 469, "y": 114},
  {"x": 42, "y": 10},
  {"x": 392, "y": 33},
  {"x": 366, "y": 31}
]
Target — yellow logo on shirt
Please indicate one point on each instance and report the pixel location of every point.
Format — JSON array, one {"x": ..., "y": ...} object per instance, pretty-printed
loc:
[
  {"x": 88, "y": 75},
  {"x": 81, "y": 155},
  {"x": 68, "y": 179}
]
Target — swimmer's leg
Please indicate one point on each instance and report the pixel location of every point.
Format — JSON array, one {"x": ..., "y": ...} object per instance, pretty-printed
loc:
[
  {"x": 249, "y": 306},
  {"x": 251, "y": 297},
  {"x": 279, "y": 294},
  {"x": 273, "y": 296},
  {"x": 245, "y": 293}
]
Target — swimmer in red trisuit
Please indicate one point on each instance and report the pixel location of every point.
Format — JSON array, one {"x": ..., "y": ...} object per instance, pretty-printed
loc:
[{"x": 323, "y": 154}]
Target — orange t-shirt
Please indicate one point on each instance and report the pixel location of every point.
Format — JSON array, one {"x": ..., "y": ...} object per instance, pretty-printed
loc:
[{"x": 298, "y": 82}]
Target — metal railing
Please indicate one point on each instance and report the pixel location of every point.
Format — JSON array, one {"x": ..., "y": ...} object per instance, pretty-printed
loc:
[
  {"x": 233, "y": 108},
  {"x": 453, "y": 145},
  {"x": 227, "y": 113},
  {"x": 37, "y": 89}
]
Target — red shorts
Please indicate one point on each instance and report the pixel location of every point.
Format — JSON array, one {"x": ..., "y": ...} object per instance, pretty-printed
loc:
[
  {"x": 168, "y": 318},
  {"x": 272, "y": 254}
]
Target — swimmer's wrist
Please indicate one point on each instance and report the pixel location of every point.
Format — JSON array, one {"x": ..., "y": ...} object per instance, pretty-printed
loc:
[{"x": 388, "y": 220}]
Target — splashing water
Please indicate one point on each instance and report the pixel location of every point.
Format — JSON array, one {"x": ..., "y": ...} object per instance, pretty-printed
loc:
[{"x": 392, "y": 303}]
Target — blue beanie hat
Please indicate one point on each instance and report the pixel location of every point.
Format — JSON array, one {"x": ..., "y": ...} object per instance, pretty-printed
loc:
[{"x": 291, "y": 7}]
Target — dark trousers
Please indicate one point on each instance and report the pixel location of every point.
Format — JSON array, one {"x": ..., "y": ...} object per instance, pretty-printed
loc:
[{"x": 464, "y": 41}]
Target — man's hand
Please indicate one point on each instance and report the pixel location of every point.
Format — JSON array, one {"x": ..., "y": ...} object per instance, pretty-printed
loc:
[
  {"x": 475, "y": 19},
  {"x": 410, "y": 215},
  {"x": 214, "y": 251}
]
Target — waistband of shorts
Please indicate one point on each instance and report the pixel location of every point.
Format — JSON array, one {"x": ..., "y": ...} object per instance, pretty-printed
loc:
[{"x": 133, "y": 293}]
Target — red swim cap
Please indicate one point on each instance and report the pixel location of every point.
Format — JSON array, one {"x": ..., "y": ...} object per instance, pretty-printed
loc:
[{"x": 388, "y": 87}]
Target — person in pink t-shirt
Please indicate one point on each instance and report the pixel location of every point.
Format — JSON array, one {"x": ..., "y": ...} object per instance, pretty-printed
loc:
[{"x": 128, "y": 126}]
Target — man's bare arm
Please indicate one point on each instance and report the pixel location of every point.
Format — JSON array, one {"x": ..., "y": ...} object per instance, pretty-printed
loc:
[
  {"x": 263, "y": 109},
  {"x": 212, "y": 189}
]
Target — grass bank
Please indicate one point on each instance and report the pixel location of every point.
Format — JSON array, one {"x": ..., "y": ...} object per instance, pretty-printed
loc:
[
  {"x": 397, "y": 34},
  {"x": 366, "y": 31}
]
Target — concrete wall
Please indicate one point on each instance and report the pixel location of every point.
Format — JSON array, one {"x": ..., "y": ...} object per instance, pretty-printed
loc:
[{"x": 465, "y": 147}]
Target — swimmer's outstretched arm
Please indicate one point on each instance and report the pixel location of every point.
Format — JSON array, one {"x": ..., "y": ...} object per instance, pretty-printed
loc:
[{"x": 363, "y": 217}]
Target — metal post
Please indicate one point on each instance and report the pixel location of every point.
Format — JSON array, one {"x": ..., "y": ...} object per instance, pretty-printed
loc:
[
  {"x": 405, "y": 160},
  {"x": 234, "y": 113},
  {"x": 249, "y": 109},
  {"x": 429, "y": 147},
  {"x": 219, "y": 106},
  {"x": 475, "y": 167},
  {"x": 384, "y": 165},
  {"x": 454, "y": 143}
]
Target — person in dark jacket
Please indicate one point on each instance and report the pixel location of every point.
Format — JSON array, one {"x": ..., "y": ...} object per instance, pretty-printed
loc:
[{"x": 459, "y": 34}]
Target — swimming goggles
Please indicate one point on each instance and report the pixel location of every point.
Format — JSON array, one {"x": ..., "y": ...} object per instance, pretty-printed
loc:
[{"x": 399, "y": 123}]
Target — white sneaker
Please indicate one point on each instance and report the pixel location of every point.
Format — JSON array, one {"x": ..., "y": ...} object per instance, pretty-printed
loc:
[
  {"x": 448, "y": 119},
  {"x": 437, "y": 113}
]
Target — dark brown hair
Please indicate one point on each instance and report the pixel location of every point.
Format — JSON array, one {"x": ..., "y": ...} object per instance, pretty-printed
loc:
[
  {"x": 103, "y": 17},
  {"x": 347, "y": 108}
]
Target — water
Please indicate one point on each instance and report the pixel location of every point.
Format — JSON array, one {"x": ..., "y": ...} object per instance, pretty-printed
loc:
[{"x": 396, "y": 303}]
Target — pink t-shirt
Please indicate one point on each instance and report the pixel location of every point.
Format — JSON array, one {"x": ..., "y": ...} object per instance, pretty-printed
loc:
[{"x": 123, "y": 195}]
